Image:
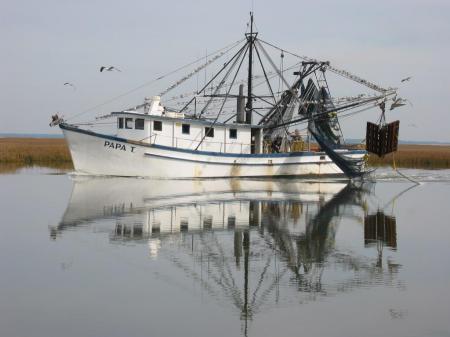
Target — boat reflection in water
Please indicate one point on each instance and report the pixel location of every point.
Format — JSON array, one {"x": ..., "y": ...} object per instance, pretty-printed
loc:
[{"x": 256, "y": 243}]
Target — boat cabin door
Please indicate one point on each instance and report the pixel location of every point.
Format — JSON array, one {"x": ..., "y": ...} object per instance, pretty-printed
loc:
[{"x": 256, "y": 141}]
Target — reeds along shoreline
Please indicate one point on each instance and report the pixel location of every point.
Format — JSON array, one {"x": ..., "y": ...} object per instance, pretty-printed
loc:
[
  {"x": 54, "y": 153},
  {"x": 22, "y": 152},
  {"x": 415, "y": 156}
]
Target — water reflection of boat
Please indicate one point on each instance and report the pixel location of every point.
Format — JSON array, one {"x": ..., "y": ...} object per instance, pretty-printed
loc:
[
  {"x": 173, "y": 205},
  {"x": 254, "y": 243}
]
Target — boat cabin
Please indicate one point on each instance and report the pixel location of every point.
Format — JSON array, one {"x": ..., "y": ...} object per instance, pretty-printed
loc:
[{"x": 155, "y": 125}]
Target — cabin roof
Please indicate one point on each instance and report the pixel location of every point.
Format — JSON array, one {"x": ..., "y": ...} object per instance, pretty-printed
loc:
[{"x": 205, "y": 122}]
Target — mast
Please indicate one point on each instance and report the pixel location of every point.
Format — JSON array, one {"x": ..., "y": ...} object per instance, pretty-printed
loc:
[{"x": 249, "y": 106}]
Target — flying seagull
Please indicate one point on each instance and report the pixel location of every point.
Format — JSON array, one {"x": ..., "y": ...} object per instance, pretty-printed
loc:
[
  {"x": 398, "y": 102},
  {"x": 406, "y": 79},
  {"x": 110, "y": 68},
  {"x": 71, "y": 84}
]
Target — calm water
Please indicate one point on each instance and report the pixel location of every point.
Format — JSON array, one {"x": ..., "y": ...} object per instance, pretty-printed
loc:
[{"x": 135, "y": 257}]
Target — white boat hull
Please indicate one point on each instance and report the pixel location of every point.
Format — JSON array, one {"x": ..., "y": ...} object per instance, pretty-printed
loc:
[{"x": 97, "y": 154}]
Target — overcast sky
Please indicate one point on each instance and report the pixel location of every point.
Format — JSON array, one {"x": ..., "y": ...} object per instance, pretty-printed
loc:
[{"x": 48, "y": 42}]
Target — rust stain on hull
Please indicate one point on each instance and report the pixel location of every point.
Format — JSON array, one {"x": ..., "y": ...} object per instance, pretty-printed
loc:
[
  {"x": 235, "y": 185},
  {"x": 235, "y": 170},
  {"x": 198, "y": 173},
  {"x": 269, "y": 169}
]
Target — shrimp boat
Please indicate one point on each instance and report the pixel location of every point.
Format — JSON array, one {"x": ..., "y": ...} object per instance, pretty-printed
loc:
[{"x": 251, "y": 117}]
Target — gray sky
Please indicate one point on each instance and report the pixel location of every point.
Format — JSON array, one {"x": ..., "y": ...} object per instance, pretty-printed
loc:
[{"x": 48, "y": 42}]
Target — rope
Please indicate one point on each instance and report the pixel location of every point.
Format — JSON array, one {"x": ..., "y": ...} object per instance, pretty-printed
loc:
[{"x": 394, "y": 167}]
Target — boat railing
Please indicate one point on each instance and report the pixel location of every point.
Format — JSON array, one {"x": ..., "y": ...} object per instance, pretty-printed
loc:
[{"x": 178, "y": 141}]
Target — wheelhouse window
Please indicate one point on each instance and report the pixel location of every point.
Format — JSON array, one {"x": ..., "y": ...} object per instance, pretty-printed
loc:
[
  {"x": 231, "y": 221},
  {"x": 157, "y": 126},
  {"x": 185, "y": 129},
  {"x": 139, "y": 124},
  {"x": 120, "y": 123},
  {"x": 184, "y": 224},
  {"x": 233, "y": 134},
  {"x": 128, "y": 123},
  {"x": 209, "y": 132},
  {"x": 207, "y": 222}
]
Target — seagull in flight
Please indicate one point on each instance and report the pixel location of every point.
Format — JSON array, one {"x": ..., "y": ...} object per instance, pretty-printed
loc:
[
  {"x": 71, "y": 85},
  {"x": 110, "y": 68},
  {"x": 406, "y": 79}
]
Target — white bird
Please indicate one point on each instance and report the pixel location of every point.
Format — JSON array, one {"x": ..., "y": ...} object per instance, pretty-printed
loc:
[
  {"x": 398, "y": 102},
  {"x": 406, "y": 79},
  {"x": 110, "y": 68},
  {"x": 72, "y": 85}
]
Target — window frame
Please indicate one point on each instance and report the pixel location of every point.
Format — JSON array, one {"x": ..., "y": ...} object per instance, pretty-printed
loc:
[
  {"x": 207, "y": 222},
  {"x": 231, "y": 221},
  {"x": 160, "y": 123},
  {"x": 140, "y": 127},
  {"x": 183, "y": 126},
  {"x": 128, "y": 119},
  {"x": 184, "y": 224},
  {"x": 120, "y": 123},
  {"x": 209, "y": 132},
  {"x": 235, "y": 131}
]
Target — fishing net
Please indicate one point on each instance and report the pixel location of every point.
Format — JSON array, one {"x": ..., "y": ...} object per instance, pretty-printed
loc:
[{"x": 324, "y": 127}]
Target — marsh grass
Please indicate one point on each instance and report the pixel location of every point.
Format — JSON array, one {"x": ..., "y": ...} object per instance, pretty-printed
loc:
[
  {"x": 416, "y": 156},
  {"x": 27, "y": 152}
]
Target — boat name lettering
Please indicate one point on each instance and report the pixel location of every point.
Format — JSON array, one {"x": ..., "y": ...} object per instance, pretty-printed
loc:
[{"x": 117, "y": 146}]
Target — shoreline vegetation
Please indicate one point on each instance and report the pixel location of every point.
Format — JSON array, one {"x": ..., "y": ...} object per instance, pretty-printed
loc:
[
  {"x": 430, "y": 157},
  {"x": 16, "y": 153}
]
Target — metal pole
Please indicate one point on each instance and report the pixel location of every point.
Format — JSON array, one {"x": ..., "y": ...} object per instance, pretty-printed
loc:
[{"x": 248, "y": 115}]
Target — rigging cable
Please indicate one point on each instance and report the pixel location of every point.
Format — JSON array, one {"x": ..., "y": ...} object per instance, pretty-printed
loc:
[
  {"x": 228, "y": 48},
  {"x": 305, "y": 120},
  {"x": 239, "y": 52},
  {"x": 337, "y": 71},
  {"x": 343, "y": 108},
  {"x": 228, "y": 91},
  {"x": 225, "y": 78},
  {"x": 270, "y": 75},
  {"x": 270, "y": 87},
  {"x": 195, "y": 71}
]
